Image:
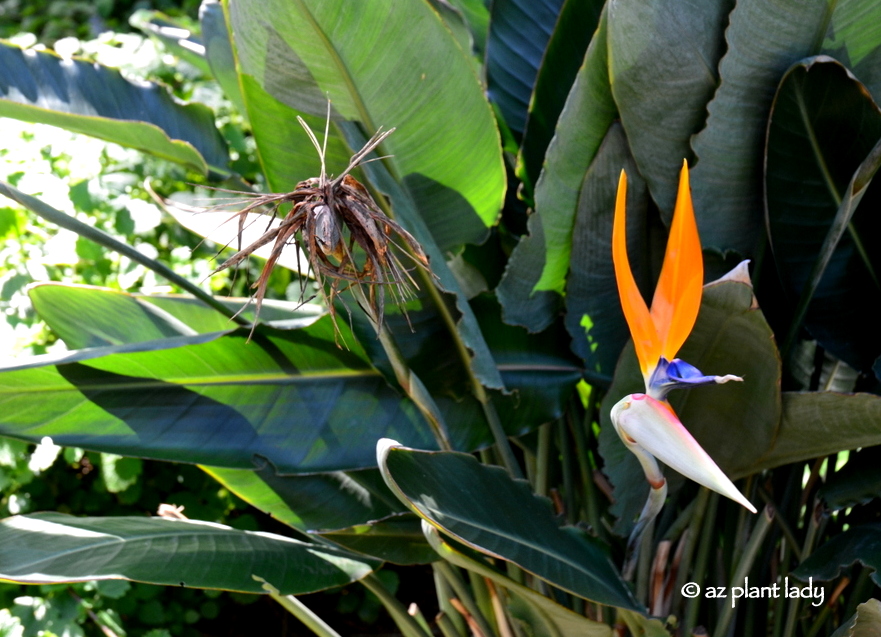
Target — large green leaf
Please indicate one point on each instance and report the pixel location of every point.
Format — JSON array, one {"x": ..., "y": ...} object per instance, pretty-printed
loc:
[
  {"x": 593, "y": 312},
  {"x": 397, "y": 539},
  {"x": 539, "y": 616},
  {"x": 364, "y": 57},
  {"x": 519, "y": 30},
  {"x": 219, "y": 52},
  {"x": 564, "y": 53},
  {"x": 859, "y": 543},
  {"x": 735, "y": 423},
  {"x": 536, "y": 274},
  {"x": 823, "y": 126},
  {"x": 663, "y": 56},
  {"x": 818, "y": 424},
  {"x": 52, "y": 547},
  {"x": 85, "y": 316},
  {"x": 291, "y": 397},
  {"x": 764, "y": 39},
  {"x": 483, "y": 507},
  {"x": 858, "y": 482},
  {"x": 91, "y": 99}
]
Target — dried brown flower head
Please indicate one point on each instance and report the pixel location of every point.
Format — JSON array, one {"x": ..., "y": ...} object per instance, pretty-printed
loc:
[{"x": 347, "y": 239}]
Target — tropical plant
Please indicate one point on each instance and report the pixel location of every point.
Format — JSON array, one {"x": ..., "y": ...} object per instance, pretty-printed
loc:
[{"x": 361, "y": 433}]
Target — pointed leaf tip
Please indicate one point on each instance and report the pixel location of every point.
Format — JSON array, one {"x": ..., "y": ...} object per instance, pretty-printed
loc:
[
  {"x": 677, "y": 296},
  {"x": 639, "y": 319}
]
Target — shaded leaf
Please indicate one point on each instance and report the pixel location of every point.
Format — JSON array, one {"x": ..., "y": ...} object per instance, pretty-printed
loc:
[
  {"x": 818, "y": 424},
  {"x": 735, "y": 423},
  {"x": 858, "y": 482},
  {"x": 52, "y": 548},
  {"x": 593, "y": 310},
  {"x": 290, "y": 397},
  {"x": 364, "y": 57},
  {"x": 859, "y": 543},
  {"x": 563, "y": 55},
  {"x": 663, "y": 56},
  {"x": 537, "y": 615},
  {"x": 397, "y": 539},
  {"x": 219, "y": 53},
  {"x": 866, "y": 622},
  {"x": 536, "y": 273},
  {"x": 87, "y": 98},
  {"x": 823, "y": 125},
  {"x": 476, "y": 17},
  {"x": 519, "y": 30},
  {"x": 763, "y": 41},
  {"x": 483, "y": 507},
  {"x": 85, "y": 316}
]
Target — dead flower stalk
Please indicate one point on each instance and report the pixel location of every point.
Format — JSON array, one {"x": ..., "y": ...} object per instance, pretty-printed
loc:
[{"x": 347, "y": 239}]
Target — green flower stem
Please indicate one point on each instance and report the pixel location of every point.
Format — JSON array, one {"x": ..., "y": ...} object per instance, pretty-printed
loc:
[
  {"x": 568, "y": 471},
  {"x": 707, "y": 541},
  {"x": 408, "y": 626},
  {"x": 299, "y": 610},
  {"x": 543, "y": 459},
  {"x": 784, "y": 526},
  {"x": 444, "y": 593},
  {"x": 477, "y": 389},
  {"x": 463, "y": 594},
  {"x": 745, "y": 564},
  {"x": 696, "y": 520},
  {"x": 100, "y": 237},
  {"x": 582, "y": 455},
  {"x": 407, "y": 379},
  {"x": 446, "y": 626}
]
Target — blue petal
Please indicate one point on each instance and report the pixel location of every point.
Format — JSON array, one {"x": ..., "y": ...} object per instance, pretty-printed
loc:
[{"x": 677, "y": 374}]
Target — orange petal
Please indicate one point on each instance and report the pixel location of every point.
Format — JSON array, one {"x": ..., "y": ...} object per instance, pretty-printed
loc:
[
  {"x": 642, "y": 328},
  {"x": 678, "y": 294}
]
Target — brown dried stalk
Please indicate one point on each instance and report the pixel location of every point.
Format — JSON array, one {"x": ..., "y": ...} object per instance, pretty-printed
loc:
[{"x": 347, "y": 239}]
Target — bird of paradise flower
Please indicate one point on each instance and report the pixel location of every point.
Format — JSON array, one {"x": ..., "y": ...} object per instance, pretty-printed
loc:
[{"x": 646, "y": 423}]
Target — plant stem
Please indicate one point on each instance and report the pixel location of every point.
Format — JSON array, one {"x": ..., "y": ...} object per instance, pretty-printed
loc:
[
  {"x": 407, "y": 379},
  {"x": 700, "y": 567},
  {"x": 751, "y": 550},
  {"x": 299, "y": 610},
  {"x": 591, "y": 506},
  {"x": 543, "y": 459},
  {"x": 408, "y": 626},
  {"x": 461, "y": 590},
  {"x": 697, "y": 518}
]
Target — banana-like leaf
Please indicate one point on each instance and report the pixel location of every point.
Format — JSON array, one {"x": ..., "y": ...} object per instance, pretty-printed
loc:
[
  {"x": 663, "y": 56},
  {"x": 364, "y": 57},
  {"x": 593, "y": 310},
  {"x": 763, "y": 40},
  {"x": 519, "y": 31},
  {"x": 94, "y": 100},
  {"x": 218, "y": 51},
  {"x": 735, "y": 422},
  {"x": 86, "y": 316},
  {"x": 292, "y": 398},
  {"x": 541, "y": 616},
  {"x": 48, "y": 548},
  {"x": 564, "y": 53},
  {"x": 818, "y": 424},
  {"x": 483, "y": 507},
  {"x": 536, "y": 274},
  {"x": 397, "y": 539},
  {"x": 825, "y": 136},
  {"x": 866, "y": 622},
  {"x": 858, "y": 543},
  {"x": 858, "y": 482},
  {"x": 476, "y": 15}
]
